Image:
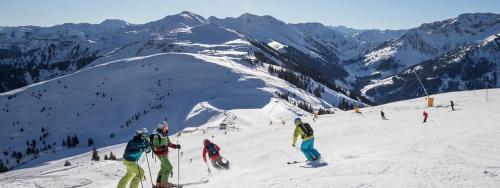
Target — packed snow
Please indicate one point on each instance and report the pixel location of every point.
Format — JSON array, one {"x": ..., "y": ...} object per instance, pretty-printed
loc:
[{"x": 453, "y": 149}]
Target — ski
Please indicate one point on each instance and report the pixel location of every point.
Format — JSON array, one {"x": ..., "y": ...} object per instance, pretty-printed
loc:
[
  {"x": 190, "y": 183},
  {"x": 294, "y": 162},
  {"x": 315, "y": 164}
]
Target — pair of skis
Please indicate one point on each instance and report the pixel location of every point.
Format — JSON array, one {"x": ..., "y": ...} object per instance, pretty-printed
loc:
[
  {"x": 309, "y": 164},
  {"x": 186, "y": 184}
]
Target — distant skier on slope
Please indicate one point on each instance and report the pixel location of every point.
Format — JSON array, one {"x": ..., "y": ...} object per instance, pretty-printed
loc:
[
  {"x": 160, "y": 144},
  {"x": 305, "y": 131},
  {"x": 213, "y": 153},
  {"x": 452, "y": 104},
  {"x": 382, "y": 114},
  {"x": 425, "y": 114},
  {"x": 133, "y": 151}
]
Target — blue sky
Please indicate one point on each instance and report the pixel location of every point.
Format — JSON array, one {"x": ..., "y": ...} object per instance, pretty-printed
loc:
[{"x": 382, "y": 14}]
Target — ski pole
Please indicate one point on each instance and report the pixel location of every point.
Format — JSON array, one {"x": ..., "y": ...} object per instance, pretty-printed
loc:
[
  {"x": 150, "y": 177},
  {"x": 139, "y": 169},
  {"x": 297, "y": 148},
  {"x": 178, "y": 164},
  {"x": 208, "y": 168}
]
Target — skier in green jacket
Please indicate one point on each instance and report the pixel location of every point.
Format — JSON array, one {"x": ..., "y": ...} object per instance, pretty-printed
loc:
[
  {"x": 133, "y": 152},
  {"x": 305, "y": 131},
  {"x": 160, "y": 144}
]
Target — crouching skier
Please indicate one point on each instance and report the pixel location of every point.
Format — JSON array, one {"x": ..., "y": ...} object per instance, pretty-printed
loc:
[
  {"x": 160, "y": 144},
  {"x": 306, "y": 133},
  {"x": 133, "y": 152},
  {"x": 214, "y": 155}
]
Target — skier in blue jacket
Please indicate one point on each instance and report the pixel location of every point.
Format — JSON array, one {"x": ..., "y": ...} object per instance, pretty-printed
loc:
[{"x": 133, "y": 152}]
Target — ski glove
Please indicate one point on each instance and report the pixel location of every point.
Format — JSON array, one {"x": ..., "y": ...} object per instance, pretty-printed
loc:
[{"x": 178, "y": 146}]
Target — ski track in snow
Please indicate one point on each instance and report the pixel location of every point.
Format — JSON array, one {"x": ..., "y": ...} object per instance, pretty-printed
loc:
[{"x": 455, "y": 149}]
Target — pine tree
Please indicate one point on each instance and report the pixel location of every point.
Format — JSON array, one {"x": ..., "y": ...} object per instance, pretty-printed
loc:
[
  {"x": 69, "y": 142},
  {"x": 76, "y": 141},
  {"x": 106, "y": 157},
  {"x": 95, "y": 155},
  {"x": 112, "y": 156},
  {"x": 90, "y": 142},
  {"x": 3, "y": 168},
  {"x": 67, "y": 163}
]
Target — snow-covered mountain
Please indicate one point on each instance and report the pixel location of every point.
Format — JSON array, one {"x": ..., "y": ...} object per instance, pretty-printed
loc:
[
  {"x": 367, "y": 39},
  {"x": 45, "y": 53},
  {"x": 186, "y": 69},
  {"x": 100, "y": 82},
  {"x": 342, "y": 58},
  {"x": 107, "y": 102},
  {"x": 453, "y": 149},
  {"x": 470, "y": 67},
  {"x": 427, "y": 42}
]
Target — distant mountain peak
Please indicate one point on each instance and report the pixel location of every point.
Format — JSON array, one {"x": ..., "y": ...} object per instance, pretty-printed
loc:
[
  {"x": 249, "y": 18},
  {"x": 468, "y": 23},
  {"x": 117, "y": 23},
  {"x": 344, "y": 29},
  {"x": 191, "y": 15},
  {"x": 184, "y": 16}
]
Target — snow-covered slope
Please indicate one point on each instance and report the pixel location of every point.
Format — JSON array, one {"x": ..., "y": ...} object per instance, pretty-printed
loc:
[
  {"x": 107, "y": 102},
  {"x": 453, "y": 149}
]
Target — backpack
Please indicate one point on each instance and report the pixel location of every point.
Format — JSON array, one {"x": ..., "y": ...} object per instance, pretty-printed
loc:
[
  {"x": 151, "y": 138},
  {"x": 156, "y": 150},
  {"x": 211, "y": 149},
  {"x": 306, "y": 128}
]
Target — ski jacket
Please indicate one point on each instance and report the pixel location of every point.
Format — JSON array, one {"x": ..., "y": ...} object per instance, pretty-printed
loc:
[
  {"x": 425, "y": 114},
  {"x": 160, "y": 145},
  {"x": 134, "y": 149},
  {"x": 212, "y": 156},
  {"x": 299, "y": 132}
]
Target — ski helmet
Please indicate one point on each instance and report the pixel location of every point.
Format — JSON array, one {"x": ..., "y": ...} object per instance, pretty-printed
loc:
[
  {"x": 298, "y": 121},
  {"x": 206, "y": 141},
  {"x": 141, "y": 132},
  {"x": 162, "y": 127}
]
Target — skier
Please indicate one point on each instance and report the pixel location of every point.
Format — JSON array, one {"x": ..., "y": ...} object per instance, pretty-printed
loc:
[
  {"x": 383, "y": 115},
  {"x": 306, "y": 133},
  {"x": 425, "y": 114},
  {"x": 214, "y": 155},
  {"x": 452, "y": 104},
  {"x": 133, "y": 152},
  {"x": 160, "y": 144}
]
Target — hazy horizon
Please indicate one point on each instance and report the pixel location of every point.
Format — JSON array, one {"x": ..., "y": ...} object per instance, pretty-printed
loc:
[{"x": 387, "y": 14}]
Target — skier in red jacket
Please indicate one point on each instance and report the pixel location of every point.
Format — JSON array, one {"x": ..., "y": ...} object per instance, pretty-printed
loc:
[
  {"x": 425, "y": 114},
  {"x": 213, "y": 153}
]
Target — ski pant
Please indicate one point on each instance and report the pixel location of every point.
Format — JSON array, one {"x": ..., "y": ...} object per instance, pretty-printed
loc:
[
  {"x": 425, "y": 119},
  {"x": 134, "y": 173},
  {"x": 307, "y": 148},
  {"x": 165, "y": 170},
  {"x": 219, "y": 164}
]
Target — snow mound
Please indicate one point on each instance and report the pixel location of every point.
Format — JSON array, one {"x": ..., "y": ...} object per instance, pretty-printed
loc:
[{"x": 277, "y": 46}]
